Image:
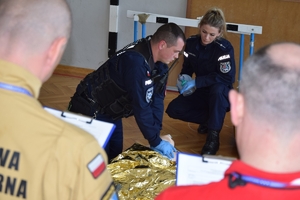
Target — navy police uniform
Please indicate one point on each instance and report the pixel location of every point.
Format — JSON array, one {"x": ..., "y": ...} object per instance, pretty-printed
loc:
[
  {"x": 214, "y": 67},
  {"x": 129, "y": 83}
]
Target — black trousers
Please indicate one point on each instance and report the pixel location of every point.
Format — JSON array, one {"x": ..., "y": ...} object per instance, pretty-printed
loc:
[{"x": 205, "y": 106}]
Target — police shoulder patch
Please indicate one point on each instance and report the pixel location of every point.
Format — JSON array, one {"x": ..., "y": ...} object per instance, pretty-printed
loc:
[
  {"x": 149, "y": 94},
  {"x": 148, "y": 82},
  {"x": 224, "y": 57},
  {"x": 225, "y": 67}
]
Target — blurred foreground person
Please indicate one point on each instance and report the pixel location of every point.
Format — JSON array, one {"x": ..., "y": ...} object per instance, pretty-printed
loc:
[
  {"x": 266, "y": 116},
  {"x": 41, "y": 156}
]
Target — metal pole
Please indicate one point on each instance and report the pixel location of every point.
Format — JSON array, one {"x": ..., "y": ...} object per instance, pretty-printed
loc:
[
  {"x": 242, "y": 39},
  {"x": 135, "y": 30},
  {"x": 251, "y": 43},
  {"x": 143, "y": 30}
]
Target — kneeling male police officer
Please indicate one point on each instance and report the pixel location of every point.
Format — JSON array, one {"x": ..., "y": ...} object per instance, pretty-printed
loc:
[{"x": 132, "y": 82}]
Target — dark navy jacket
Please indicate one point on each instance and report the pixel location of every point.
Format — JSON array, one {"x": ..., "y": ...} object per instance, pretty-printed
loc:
[
  {"x": 131, "y": 72},
  {"x": 213, "y": 63}
]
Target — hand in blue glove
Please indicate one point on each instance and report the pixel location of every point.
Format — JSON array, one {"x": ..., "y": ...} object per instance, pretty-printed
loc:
[
  {"x": 182, "y": 80},
  {"x": 178, "y": 85},
  {"x": 188, "y": 85},
  {"x": 165, "y": 148}
]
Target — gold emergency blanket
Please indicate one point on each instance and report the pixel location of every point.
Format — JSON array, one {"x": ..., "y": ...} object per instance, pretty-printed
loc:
[{"x": 140, "y": 173}]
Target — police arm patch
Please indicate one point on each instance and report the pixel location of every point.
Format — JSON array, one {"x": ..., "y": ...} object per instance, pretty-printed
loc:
[
  {"x": 96, "y": 166},
  {"x": 225, "y": 67},
  {"x": 223, "y": 57},
  {"x": 149, "y": 94}
]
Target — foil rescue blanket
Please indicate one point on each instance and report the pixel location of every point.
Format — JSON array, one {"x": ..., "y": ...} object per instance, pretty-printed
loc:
[{"x": 140, "y": 173}]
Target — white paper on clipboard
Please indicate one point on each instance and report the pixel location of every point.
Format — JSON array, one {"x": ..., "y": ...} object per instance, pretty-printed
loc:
[
  {"x": 102, "y": 131},
  {"x": 195, "y": 169}
]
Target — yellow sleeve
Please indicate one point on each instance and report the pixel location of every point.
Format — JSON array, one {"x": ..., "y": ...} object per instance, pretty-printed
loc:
[
  {"x": 77, "y": 170},
  {"x": 94, "y": 180}
]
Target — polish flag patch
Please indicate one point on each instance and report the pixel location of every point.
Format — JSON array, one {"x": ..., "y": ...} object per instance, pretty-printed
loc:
[{"x": 97, "y": 166}]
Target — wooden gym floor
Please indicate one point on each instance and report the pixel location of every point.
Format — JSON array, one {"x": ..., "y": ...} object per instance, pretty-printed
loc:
[{"x": 56, "y": 93}]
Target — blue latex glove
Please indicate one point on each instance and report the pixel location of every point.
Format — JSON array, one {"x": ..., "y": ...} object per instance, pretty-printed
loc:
[
  {"x": 188, "y": 85},
  {"x": 178, "y": 85},
  {"x": 165, "y": 148}
]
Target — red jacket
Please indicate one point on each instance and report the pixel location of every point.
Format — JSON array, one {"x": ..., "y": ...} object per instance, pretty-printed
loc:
[{"x": 221, "y": 190}]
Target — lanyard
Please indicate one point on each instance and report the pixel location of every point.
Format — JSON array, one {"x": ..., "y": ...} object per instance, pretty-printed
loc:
[
  {"x": 236, "y": 179},
  {"x": 15, "y": 88}
]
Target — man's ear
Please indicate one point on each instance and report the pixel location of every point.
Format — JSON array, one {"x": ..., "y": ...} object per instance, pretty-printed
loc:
[
  {"x": 236, "y": 107},
  {"x": 162, "y": 44},
  {"x": 55, "y": 51},
  {"x": 53, "y": 56}
]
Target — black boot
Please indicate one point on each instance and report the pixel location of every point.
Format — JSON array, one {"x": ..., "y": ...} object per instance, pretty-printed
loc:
[
  {"x": 202, "y": 129},
  {"x": 212, "y": 143}
]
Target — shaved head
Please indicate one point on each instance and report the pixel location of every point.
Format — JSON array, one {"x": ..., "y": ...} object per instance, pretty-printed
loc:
[
  {"x": 34, "y": 34},
  {"x": 286, "y": 55},
  {"x": 33, "y": 23},
  {"x": 271, "y": 86}
]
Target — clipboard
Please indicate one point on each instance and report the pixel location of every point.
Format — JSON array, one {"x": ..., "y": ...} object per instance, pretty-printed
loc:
[
  {"x": 195, "y": 169},
  {"x": 101, "y": 130}
]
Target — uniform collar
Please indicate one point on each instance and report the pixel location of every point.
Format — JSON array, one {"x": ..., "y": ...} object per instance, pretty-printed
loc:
[
  {"x": 144, "y": 48},
  {"x": 202, "y": 47},
  {"x": 15, "y": 75}
]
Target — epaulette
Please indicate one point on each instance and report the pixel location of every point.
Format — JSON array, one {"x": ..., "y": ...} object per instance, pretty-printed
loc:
[
  {"x": 132, "y": 45},
  {"x": 192, "y": 39},
  {"x": 222, "y": 43}
]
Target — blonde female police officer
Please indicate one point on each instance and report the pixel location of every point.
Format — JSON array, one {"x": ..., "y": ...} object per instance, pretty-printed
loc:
[
  {"x": 132, "y": 82},
  {"x": 211, "y": 58}
]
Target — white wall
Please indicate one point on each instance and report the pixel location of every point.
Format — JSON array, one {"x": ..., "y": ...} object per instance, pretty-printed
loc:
[
  {"x": 176, "y": 8},
  {"x": 88, "y": 45}
]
